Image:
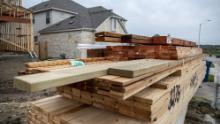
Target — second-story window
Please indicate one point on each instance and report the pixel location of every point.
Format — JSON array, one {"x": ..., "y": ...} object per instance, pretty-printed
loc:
[
  {"x": 33, "y": 20},
  {"x": 114, "y": 24},
  {"x": 48, "y": 17}
]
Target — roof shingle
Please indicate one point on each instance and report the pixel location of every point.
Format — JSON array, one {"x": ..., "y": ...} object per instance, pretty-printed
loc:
[{"x": 86, "y": 17}]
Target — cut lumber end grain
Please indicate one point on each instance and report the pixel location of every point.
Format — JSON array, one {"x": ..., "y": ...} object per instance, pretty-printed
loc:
[{"x": 20, "y": 84}]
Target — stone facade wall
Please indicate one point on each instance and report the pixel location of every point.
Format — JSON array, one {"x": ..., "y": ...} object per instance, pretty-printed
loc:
[{"x": 66, "y": 43}]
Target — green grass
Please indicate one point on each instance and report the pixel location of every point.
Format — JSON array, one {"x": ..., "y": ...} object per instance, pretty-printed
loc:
[
  {"x": 212, "y": 65},
  {"x": 211, "y": 78}
]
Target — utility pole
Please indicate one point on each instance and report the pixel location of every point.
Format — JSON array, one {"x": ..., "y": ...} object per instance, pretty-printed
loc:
[{"x": 200, "y": 30}]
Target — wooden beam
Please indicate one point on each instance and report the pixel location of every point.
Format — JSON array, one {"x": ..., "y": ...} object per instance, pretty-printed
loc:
[
  {"x": 12, "y": 19},
  {"x": 14, "y": 44},
  {"x": 67, "y": 76},
  {"x": 108, "y": 34},
  {"x": 132, "y": 71}
]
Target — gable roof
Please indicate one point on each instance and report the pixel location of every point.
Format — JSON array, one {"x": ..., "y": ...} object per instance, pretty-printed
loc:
[
  {"x": 100, "y": 14},
  {"x": 87, "y": 18},
  {"x": 65, "y": 5}
]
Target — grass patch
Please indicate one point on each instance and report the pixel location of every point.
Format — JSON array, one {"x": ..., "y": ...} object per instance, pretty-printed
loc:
[
  {"x": 211, "y": 78},
  {"x": 212, "y": 65}
]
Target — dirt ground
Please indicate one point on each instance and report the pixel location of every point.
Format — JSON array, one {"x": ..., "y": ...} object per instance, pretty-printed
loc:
[{"x": 15, "y": 103}]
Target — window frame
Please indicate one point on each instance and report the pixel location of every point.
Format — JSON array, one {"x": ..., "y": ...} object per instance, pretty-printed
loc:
[
  {"x": 48, "y": 18},
  {"x": 114, "y": 24}
]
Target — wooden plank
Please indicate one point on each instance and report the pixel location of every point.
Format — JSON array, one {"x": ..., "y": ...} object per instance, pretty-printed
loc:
[
  {"x": 136, "y": 39},
  {"x": 12, "y": 19},
  {"x": 136, "y": 87},
  {"x": 13, "y": 44},
  {"x": 138, "y": 69},
  {"x": 108, "y": 39},
  {"x": 108, "y": 34},
  {"x": 66, "y": 76},
  {"x": 165, "y": 40},
  {"x": 123, "y": 81}
]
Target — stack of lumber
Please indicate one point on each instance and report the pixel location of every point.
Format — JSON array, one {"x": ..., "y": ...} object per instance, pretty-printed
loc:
[
  {"x": 71, "y": 75},
  {"x": 46, "y": 66},
  {"x": 147, "y": 104},
  {"x": 154, "y": 52},
  {"x": 108, "y": 37},
  {"x": 160, "y": 103},
  {"x": 143, "y": 47},
  {"x": 130, "y": 89},
  {"x": 138, "y": 39}
]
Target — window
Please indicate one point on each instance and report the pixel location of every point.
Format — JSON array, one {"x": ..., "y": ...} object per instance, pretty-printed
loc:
[
  {"x": 33, "y": 21},
  {"x": 48, "y": 17},
  {"x": 114, "y": 25},
  {"x": 35, "y": 38}
]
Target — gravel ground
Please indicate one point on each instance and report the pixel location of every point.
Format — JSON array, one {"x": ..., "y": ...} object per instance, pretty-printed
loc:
[{"x": 15, "y": 103}]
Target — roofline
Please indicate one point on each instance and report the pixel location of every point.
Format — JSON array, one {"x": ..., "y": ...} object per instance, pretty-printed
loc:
[
  {"x": 123, "y": 27},
  {"x": 118, "y": 18},
  {"x": 68, "y": 30},
  {"x": 54, "y": 8}
]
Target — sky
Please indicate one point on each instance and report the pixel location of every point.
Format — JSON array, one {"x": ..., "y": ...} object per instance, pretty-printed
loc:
[{"x": 179, "y": 18}]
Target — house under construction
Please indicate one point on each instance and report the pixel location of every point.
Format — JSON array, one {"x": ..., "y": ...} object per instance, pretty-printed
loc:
[{"x": 15, "y": 27}]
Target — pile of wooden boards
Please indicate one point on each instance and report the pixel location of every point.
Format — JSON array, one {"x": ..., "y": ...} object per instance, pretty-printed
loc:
[
  {"x": 142, "y": 47},
  {"x": 147, "y": 101},
  {"x": 138, "y": 39},
  {"x": 133, "y": 90},
  {"x": 46, "y": 66},
  {"x": 162, "y": 102},
  {"x": 147, "y": 51}
]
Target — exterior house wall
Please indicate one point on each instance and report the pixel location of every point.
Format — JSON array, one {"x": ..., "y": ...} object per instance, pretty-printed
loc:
[
  {"x": 40, "y": 22},
  {"x": 107, "y": 26},
  {"x": 58, "y": 16},
  {"x": 66, "y": 43},
  {"x": 40, "y": 19}
]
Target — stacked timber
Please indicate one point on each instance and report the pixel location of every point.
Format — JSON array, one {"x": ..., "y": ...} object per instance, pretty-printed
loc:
[
  {"x": 143, "y": 47},
  {"x": 108, "y": 37},
  {"x": 46, "y": 66},
  {"x": 159, "y": 103},
  {"x": 130, "y": 89},
  {"x": 153, "y": 52},
  {"x": 147, "y": 102},
  {"x": 139, "y": 39}
]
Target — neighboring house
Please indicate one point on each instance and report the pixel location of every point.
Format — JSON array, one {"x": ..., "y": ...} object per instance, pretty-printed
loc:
[{"x": 64, "y": 24}]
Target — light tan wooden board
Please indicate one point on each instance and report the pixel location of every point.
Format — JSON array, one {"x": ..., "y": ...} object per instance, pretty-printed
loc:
[
  {"x": 124, "y": 81},
  {"x": 66, "y": 76},
  {"x": 136, "y": 87},
  {"x": 135, "y": 70}
]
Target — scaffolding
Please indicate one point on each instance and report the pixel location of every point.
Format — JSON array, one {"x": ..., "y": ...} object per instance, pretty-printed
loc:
[{"x": 16, "y": 29}]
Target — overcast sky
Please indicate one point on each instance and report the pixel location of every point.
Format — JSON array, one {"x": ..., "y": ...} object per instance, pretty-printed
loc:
[{"x": 180, "y": 18}]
